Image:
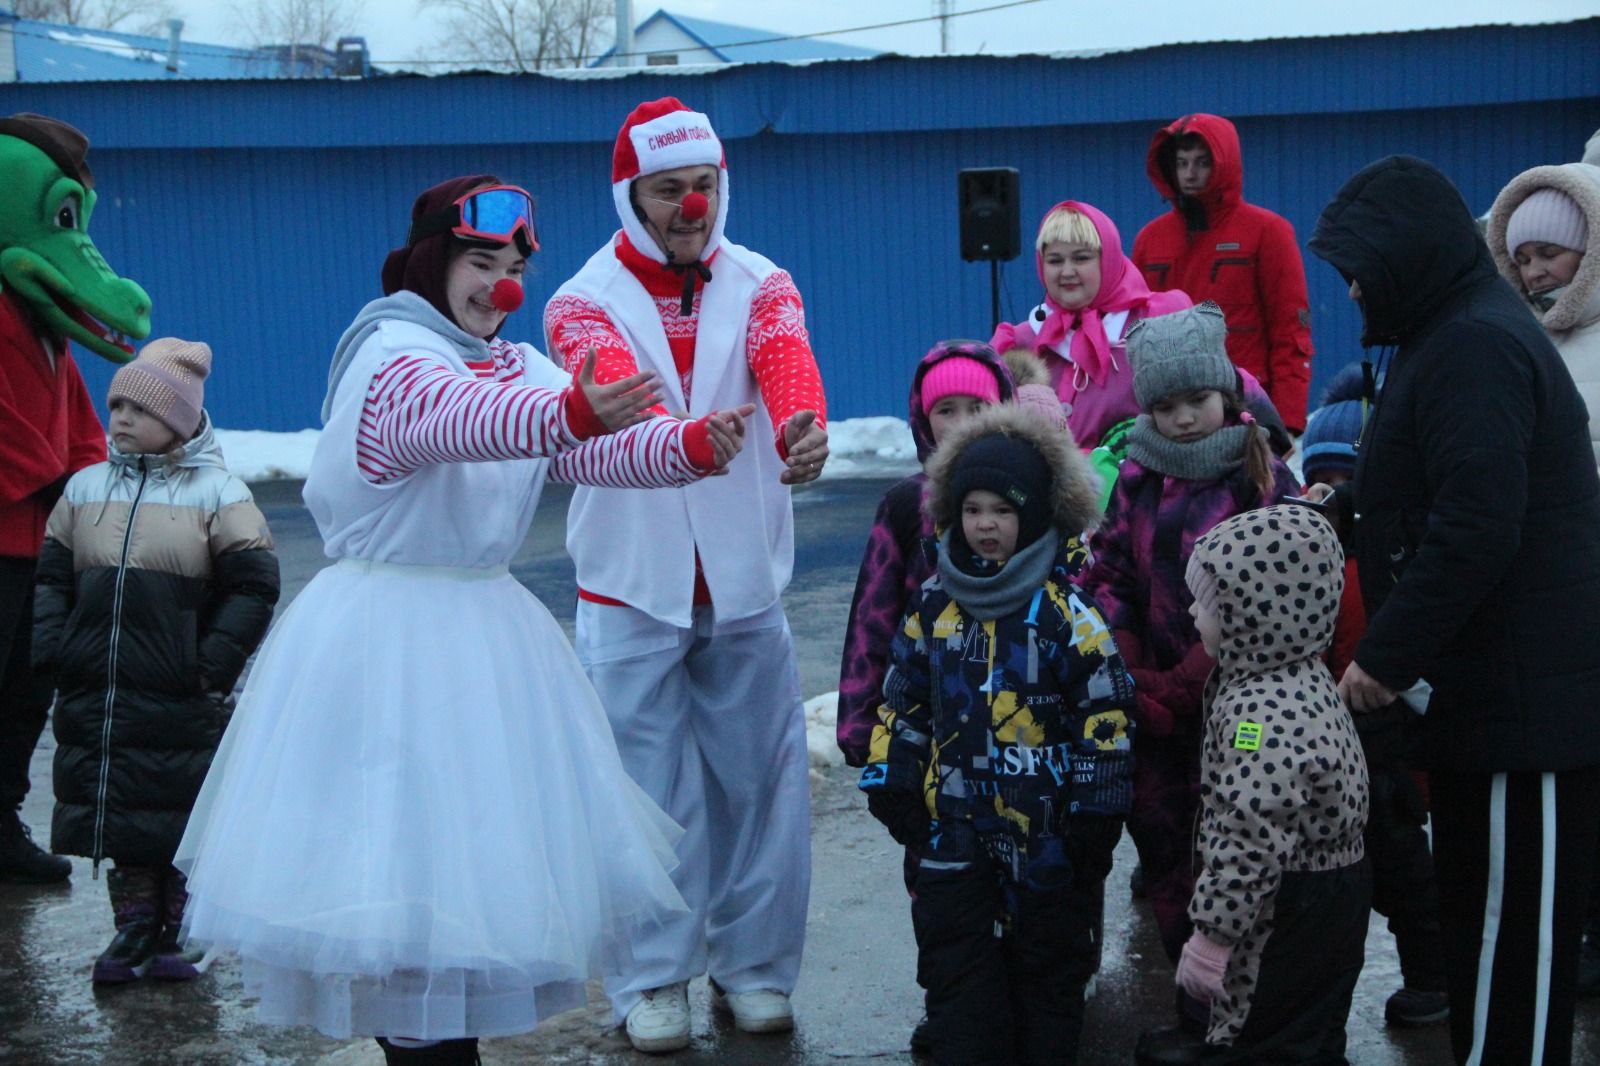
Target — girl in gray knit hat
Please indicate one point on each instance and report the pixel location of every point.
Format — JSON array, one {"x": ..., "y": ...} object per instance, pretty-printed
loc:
[{"x": 1196, "y": 457}]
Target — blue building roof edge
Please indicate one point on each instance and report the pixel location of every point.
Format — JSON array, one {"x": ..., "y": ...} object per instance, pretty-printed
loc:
[
  {"x": 660, "y": 14},
  {"x": 845, "y": 51},
  {"x": 678, "y": 22}
]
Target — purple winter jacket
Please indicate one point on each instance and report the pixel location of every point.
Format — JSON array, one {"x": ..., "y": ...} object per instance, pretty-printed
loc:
[
  {"x": 1140, "y": 552},
  {"x": 898, "y": 559}
]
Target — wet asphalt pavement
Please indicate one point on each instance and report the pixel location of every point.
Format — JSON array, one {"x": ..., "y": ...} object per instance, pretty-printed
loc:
[{"x": 857, "y": 997}]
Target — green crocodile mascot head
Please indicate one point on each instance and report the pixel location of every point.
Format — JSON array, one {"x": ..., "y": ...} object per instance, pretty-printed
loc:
[{"x": 46, "y": 256}]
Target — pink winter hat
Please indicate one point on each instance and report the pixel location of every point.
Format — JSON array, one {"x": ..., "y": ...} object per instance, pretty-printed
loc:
[
  {"x": 1549, "y": 216},
  {"x": 959, "y": 376},
  {"x": 168, "y": 380}
]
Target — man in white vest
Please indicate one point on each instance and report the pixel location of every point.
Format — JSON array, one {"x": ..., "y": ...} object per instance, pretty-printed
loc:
[{"x": 679, "y": 623}]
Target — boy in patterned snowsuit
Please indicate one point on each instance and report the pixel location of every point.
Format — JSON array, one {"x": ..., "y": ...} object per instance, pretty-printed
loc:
[
  {"x": 1004, "y": 752},
  {"x": 1280, "y": 904}
]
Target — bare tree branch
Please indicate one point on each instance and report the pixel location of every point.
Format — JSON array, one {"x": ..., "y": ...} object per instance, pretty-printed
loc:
[
  {"x": 294, "y": 26},
  {"x": 521, "y": 35},
  {"x": 144, "y": 16}
]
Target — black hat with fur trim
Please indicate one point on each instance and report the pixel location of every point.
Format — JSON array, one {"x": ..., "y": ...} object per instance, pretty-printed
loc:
[{"x": 1012, "y": 452}]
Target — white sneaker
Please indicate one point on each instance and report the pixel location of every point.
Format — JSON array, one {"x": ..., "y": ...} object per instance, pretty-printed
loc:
[
  {"x": 660, "y": 1021},
  {"x": 761, "y": 1011}
]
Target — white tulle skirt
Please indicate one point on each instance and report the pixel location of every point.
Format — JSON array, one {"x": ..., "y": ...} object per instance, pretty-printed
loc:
[{"x": 417, "y": 823}]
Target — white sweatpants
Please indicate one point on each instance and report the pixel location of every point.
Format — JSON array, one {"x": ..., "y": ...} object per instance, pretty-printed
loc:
[{"x": 709, "y": 722}]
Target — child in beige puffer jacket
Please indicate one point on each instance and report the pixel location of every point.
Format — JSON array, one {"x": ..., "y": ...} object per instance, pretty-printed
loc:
[{"x": 1283, "y": 878}]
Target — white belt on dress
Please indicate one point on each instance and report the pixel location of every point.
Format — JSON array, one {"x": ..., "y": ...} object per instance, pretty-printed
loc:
[{"x": 450, "y": 573}]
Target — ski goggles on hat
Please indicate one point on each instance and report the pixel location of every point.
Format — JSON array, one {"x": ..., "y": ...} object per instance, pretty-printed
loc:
[{"x": 497, "y": 214}]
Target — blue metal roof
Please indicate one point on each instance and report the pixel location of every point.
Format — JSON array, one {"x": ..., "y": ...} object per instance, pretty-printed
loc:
[
  {"x": 257, "y": 213},
  {"x": 727, "y": 42},
  {"x": 1475, "y": 66},
  {"x": 51, "y": 52}
]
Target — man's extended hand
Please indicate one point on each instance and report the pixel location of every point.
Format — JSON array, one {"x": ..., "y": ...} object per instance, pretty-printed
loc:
[
  {"x": 807, "y": 444},
  {"x": 620, "y": 403}
]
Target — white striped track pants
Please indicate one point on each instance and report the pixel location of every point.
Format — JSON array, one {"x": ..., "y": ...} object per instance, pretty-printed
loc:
[{"x": 1515, "y": 853}]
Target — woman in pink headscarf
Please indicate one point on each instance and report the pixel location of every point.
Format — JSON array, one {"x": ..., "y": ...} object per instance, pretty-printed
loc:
[{"x": 1093, "y": 294}]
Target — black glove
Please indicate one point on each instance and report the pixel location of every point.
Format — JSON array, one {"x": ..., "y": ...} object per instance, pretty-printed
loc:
[
  {"x": 1090, "y": 841},
  {"x": 903, "y": 814}
]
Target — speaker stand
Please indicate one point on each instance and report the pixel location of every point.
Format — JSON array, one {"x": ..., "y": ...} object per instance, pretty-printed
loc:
[{"x": 994, "y": 295}]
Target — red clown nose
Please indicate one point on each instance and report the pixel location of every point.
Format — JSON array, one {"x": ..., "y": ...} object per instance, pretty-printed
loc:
[
  {"x": 506, "y": 295},
  {"x": 694, "y": 207}
]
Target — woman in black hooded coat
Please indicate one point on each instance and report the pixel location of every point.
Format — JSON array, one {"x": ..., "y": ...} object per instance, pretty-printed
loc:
[{"x": 1474, "y": 518}]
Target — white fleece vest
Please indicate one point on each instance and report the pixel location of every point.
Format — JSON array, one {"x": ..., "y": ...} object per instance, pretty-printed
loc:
[
  {"x": 638, "y": 545},
  {"x": 444, "y": 514}
]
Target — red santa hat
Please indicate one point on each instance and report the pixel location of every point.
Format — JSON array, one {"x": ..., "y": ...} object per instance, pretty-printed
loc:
[{"x": 664, "y": 135}]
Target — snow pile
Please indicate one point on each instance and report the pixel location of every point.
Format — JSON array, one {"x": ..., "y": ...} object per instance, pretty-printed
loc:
[
  {"x": 821, "y": 742},
  {"x": 258, "y": 455},
  {"x": 870, "y": 447},
  {"x": 857, "y": 447}
]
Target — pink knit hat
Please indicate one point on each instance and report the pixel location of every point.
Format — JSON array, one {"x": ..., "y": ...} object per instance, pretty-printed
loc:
[
  {"x": 1551, "y": 216},
  {"x": 959, "y": 376},
  {"x": 168, "y": 380}
]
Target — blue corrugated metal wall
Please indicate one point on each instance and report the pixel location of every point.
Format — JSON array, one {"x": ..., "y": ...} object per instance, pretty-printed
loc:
[{"x": 258, "y": 214}]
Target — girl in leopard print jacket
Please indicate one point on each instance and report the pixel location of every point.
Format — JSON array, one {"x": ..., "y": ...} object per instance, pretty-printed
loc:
[{"x": 1280, "y": 904}]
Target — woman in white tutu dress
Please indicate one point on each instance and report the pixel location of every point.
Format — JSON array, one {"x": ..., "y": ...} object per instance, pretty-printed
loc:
[{"x": 417, "y": 826}]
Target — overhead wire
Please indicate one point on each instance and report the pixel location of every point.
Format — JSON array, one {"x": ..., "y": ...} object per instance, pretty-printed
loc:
[
  {"x": 774, "y": 39},
  {"x": 158, "y": 49}
]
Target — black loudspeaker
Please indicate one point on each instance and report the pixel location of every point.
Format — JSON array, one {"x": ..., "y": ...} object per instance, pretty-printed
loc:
[{"x": 991, "y": 220}]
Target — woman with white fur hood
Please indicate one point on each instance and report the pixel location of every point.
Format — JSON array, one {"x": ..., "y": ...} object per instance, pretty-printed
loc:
[{"x": 1541, "y": 228}]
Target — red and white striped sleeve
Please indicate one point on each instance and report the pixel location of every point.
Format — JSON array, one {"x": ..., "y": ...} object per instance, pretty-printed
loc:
[
  {"x": 778, "y": 349},
  {"x": 419, "y": 411},
  {"x": 650, "y": 455}
]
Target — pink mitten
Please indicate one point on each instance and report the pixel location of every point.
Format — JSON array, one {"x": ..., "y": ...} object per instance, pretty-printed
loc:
[{"x": 1202, "y": 965}]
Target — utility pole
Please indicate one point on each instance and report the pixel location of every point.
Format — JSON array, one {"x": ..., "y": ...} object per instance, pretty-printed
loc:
[
  {"x": 623, "y": 49},
  {"x": 942, "y": 8}
]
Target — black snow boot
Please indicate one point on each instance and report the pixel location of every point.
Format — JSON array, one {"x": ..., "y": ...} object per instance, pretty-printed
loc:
[
  {"x": 444, "y": 1053},
  {"x": 1175, "y": 1045},
  {"x": 1413, "y": 1008},
  {"x": 23, "y": 860},
  {"x": 175, "y": 962},
  {"x": 129, "y": 954},
  {"x": 1423, "y": 999},
  {"x": 1172, "y": 1045},
  {"x": 921, "y": 1039}
]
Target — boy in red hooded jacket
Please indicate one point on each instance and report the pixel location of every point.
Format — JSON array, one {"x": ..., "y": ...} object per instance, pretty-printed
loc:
[{"x": 1213, "y": 245}]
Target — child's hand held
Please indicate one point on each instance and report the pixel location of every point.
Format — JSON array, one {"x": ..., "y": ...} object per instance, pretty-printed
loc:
[{"x": 1202, "y": 966}]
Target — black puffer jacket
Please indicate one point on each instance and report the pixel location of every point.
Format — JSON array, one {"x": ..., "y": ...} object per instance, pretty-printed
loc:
[
  {"x": 1476, "y": 506},
  {"x": 156, "y": 583}
]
